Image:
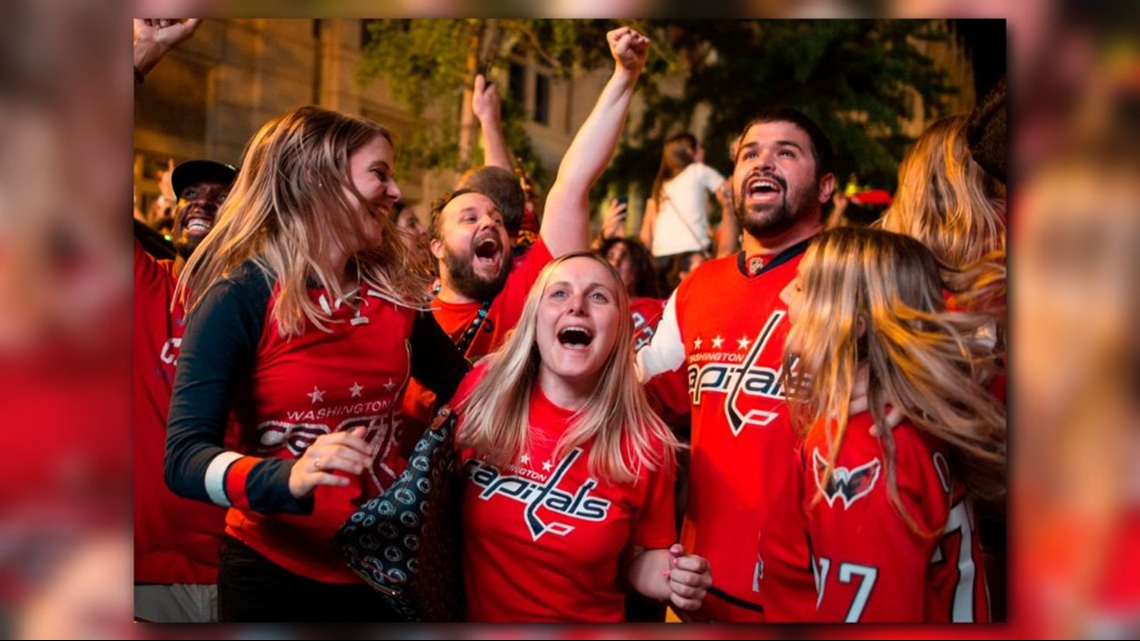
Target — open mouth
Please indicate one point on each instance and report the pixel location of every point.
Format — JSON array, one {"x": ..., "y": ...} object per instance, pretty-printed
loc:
[
  {"x": 487, "y": 249},
  {"x": 764, "y": 187},
  {"x": 199, "y": 224},
  {"x": 575, "y": 337}
]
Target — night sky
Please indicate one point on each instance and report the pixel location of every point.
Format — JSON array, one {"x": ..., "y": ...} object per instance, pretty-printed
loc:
[{"x": 985, "y": 45}]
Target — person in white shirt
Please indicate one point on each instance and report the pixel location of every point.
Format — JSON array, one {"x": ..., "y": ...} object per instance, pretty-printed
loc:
[{"x": 676, "y": 221}]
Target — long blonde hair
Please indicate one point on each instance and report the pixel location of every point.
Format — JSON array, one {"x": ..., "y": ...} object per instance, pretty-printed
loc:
[
  {"x": 497, "y": 418},
  {"x": 287, "y": 212},
  {"x": 946, "y": 200},
  {"x": 921, "y": 359}
]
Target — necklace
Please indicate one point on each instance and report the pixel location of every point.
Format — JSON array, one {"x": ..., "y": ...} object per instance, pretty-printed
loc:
[{"x": 469, "y": 335}]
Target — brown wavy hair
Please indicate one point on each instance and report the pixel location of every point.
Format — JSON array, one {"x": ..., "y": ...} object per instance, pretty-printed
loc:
[{"x": 287, "y": 212}]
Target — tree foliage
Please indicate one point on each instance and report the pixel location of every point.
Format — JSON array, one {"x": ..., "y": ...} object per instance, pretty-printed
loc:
[
  {"x": 857, "y": 78},
  {"x": 429, "y": 63}
]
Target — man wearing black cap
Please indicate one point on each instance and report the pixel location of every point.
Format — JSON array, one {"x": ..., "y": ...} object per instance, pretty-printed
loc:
[
  {"x": 200, "y": 186},
  {"x": 176, "y": 540}
]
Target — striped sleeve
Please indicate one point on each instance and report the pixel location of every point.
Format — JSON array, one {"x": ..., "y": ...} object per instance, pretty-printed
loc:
[{"x": 214, "y": 368}]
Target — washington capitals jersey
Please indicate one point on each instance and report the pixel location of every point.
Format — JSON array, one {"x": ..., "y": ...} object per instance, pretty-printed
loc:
[
  {"x": 726, "y": 324},
  {"x": 869, "y": 563},
  {"x": 176, "y": 539},
  {"x": 284, "y": 393},
  {"x": 543, "y": 539},
  {"x": 646, "y": 314}
]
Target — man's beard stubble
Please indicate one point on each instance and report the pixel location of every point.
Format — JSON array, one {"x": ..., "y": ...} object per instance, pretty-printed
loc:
[
  {"x": 772, "y": 223},
  {"x": 465, "y": 281}
]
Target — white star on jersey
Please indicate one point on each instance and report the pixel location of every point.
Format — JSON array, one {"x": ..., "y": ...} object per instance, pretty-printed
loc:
[
  {"x": 525, "y": 459},
  {"x": 743, "y": 343},
  {"x": 389, "y": 385},
  {"x": 546, "y": 466},
  {"x": 697, "y": 343},
  {"x": 316, "y": 395},
  {"x": 717, "y": 342},
  {"x": 355, "y": 389}
]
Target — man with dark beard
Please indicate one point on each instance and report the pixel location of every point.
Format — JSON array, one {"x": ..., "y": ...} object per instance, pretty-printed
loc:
[
  {"x": 482, "y": 290},
  {"x": 176, "y": 540},
  {"x": 725, "y": 324}
]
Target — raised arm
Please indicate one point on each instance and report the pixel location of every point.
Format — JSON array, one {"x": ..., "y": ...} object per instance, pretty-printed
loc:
[
  {"x": 155, "y": 38},
  {"x": 566, "y": 222},
  {"x": 487, "y": 107}
]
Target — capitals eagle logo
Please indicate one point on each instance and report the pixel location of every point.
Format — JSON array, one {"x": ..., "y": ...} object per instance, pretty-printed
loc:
[{"x": 844, "y": 483}]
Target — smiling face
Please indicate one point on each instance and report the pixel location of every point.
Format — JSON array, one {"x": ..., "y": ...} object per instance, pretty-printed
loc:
[
  {"x": 370, "y": 171},
  {"x": 774, "y": 183},
  {"x": 195, "y": 213},
  {"x": 578, "y": 323},
  {"x": 473, "y": 248}
]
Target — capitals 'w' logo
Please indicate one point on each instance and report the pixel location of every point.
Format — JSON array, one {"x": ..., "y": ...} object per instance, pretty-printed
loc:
[{"x": 847, "y": 484}]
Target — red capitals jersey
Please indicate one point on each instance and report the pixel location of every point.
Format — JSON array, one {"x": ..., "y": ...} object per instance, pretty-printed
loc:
[
  {"x": 309, "y": 385},
  {"x": 646, "y": 315},
  {"x": 727, "y": 325},
  {"x": 870, "y": 564},
  {"x": 176, "y": 539},
  {"x": 543, "y": 540}
]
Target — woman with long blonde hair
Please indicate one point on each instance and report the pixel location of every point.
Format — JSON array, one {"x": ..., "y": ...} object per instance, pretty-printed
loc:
[
  {"x": 946, "y": 200},
  {"x": 305, "y": 322},
  {"x": 569, "y": 490},
  {"x": 890, "y": 515}
]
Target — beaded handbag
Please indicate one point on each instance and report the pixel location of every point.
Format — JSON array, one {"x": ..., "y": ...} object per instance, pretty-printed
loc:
[{"x": 405, "y": 543}]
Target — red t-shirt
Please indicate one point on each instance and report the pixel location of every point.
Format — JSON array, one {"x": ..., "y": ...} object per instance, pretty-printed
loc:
[
  {"x": 870, "y": 564},
  {"x": 176, "y": 539},
  {"x": 543, "y": 540}
]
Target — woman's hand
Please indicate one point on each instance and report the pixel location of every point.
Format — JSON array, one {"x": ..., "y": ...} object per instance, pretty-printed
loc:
[
  {"x": 629, "y": 48},
  {"x": 689, "y": 578},
  {"x": 614, "y": 224},
  {"x": 337, "y": 452}
]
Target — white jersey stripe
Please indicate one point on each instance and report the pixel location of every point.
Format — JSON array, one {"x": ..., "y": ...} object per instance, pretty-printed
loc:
[{"x": 216, "y": 477}]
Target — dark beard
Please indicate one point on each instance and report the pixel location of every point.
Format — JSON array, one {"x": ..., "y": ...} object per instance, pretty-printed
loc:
[
  {"x": 465, "y": 281},
  {"x": 773, "y": 223},
  {"x": 185, "y": 248}
]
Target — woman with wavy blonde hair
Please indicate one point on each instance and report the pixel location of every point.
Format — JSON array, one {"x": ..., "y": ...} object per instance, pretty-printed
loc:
[
  {"x": 946, "y": 200},
  {"x": 305, "y": 323},
  {"x": 890, "y": 514},
  {"x": 569, "y": 472}
]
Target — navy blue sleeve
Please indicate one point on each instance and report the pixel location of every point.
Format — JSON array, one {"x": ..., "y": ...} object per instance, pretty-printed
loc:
[
  {"x": 436, "y": 362},
  {"x": 214, "y": 367}
]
